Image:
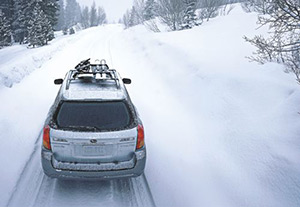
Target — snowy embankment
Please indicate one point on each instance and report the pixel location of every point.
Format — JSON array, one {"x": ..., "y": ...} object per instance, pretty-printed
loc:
[
  {"x": 220, "y": 131},
  {"x": 18, "y": 61}
]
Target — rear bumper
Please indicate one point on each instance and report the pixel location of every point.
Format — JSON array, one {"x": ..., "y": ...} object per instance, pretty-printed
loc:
[{"x": 136, "y": 169}]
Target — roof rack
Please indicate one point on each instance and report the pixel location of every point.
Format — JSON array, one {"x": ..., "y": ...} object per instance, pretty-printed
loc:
[{"x": 98, "y": 71}]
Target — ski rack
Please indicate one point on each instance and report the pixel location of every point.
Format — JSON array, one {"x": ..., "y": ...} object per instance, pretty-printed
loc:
[{"x": 86, "y": 68}]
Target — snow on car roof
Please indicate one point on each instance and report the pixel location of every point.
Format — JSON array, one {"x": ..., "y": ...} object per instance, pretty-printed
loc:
[{"x": 104, "y": 90}]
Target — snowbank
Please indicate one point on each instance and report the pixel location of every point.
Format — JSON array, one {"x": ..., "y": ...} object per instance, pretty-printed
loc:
[
  {"x": 18, "y": 61},
  {"x": 220, "y": 131}
]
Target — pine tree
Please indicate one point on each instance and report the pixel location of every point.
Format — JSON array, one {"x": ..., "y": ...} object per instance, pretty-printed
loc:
[
  {"x": 78, "y": 14},
  {"x": 61, "y": 16},
  {"x": 72, "y": 31},
  {"x": 39, "y": 28},
  {"x": 20, "y": 20},
  {"x": 5, "y": 31},
  {"x": 149, "y": 10},
  {"x": 25, "y": 11},
  {"x": 93, "y": 15},
  {"x": 125, "y": 19},
  {"x": 69, "y": 13},
  {"x": 133, "y": 18},
  {"x": 189, "y": 17},
  {"x": 6, "y": 7},
  {"x": 101, "y": 16},
  {"x": 72, "y": 13},
  {"x": 85, "y": 20},
  {"x": 50, "y": 9},
  {"x": 48, "y": 30}
]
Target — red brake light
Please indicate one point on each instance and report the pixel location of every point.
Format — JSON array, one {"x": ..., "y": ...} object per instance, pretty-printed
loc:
[
  {"x": 46, "y": 137},
  {"x": 140, "y": 138}
]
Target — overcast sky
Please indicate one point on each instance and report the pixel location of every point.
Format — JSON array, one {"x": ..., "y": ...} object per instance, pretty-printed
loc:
[{"x": 114, "y": 8}]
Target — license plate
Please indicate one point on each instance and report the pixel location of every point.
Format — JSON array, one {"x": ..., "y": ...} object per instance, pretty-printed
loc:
[{"x": 96, "y": 150}]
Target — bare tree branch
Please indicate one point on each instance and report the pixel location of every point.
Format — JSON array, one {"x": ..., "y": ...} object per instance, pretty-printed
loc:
[{"x": 283, "y": 45}]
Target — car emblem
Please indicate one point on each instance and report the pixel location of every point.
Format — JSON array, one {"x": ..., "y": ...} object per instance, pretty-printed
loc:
[{"x": 93, "y": 141}]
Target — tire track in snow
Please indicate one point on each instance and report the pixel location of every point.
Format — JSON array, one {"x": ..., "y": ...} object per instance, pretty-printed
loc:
[{"x": 30, "y": 191}]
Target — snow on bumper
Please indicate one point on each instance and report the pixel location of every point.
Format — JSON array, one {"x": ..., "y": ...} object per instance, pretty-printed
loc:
[
  {"x": 57, "y": 169},
  {"x": 93, "y": 166}
]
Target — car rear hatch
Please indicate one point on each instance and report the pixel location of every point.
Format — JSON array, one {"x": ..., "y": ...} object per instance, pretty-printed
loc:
[
  {"x": 93, "y": 132},
  {"x": 72, "y": 146}
]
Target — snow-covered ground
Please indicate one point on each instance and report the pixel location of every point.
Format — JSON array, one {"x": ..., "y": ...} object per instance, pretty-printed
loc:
[
  {"x": 220, "y": 131},
  {"x": 19, "y": 61}
]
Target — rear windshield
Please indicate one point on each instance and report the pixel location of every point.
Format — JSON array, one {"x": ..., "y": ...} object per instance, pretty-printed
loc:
[{"x": 93, "y": 115}]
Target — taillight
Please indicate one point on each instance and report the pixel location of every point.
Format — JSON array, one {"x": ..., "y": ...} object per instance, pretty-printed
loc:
[
  {"x": 46, "y": 138},
  {"x": 140, "y": 138}
]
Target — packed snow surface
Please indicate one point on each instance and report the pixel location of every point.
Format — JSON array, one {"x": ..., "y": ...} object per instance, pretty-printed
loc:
[{"x": 220, "y": 130}]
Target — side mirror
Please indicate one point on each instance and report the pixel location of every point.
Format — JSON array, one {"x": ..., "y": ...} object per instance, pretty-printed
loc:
[
  {"x": 58, "y": 81},
  {"x": 126, "y": 80}
]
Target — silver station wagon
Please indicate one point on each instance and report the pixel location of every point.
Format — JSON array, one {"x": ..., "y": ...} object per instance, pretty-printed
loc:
[{"x": 93, "y": 129}]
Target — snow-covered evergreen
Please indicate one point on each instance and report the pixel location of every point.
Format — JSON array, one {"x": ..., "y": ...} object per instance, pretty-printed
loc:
[
  {"x": 61, "y": 16},
  {"x": 20, "y": 22},
  {"x": 101, "y": 16},
  {"x": 5, "y": 31},
  {"x": 39, "y": 28},
  {"x": 50, "y": 8},
  {"x": 149, "y": 10},
  {"x": 85, "y": 18},
  {"x": 189, "y": 17},
  {"x": 93, "y": 15},
  {"x": 133, "y": 18},
  {"x": 72, "y": 13},
  {"x": 33, "y": 21},
  {"x": 125, "y": 19},
  {"x": 30, "y": 17},
  {"x": 71, "y": 31}
]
